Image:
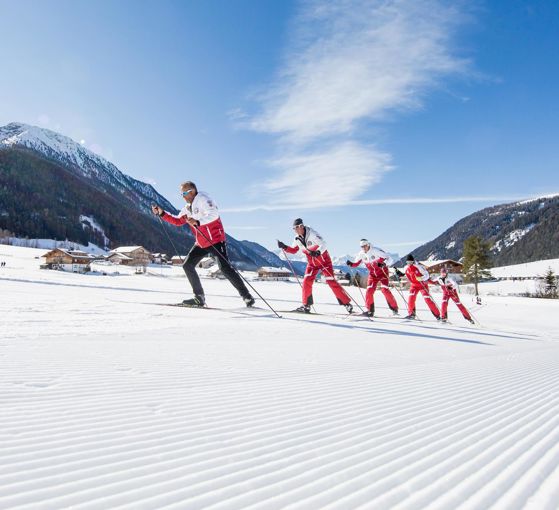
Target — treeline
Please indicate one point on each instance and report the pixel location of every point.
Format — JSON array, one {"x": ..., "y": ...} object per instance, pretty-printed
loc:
[{"x": 40, "y": 199}]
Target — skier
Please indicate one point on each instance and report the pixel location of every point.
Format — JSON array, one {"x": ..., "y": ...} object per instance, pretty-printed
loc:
[
  {"x": 377, "y": 262},
  {"x": 450, "y": 291},
  {"x": 418, "y": 277},
  {"x": 201, "y": 214},
  {"x": 318, "y": 259}
]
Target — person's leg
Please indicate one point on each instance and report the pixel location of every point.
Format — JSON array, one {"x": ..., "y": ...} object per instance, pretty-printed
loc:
[
  {"x": 444, "y": 306},
  {"x": 229, "y": 271},
  {"x": 461, "y": 307},
  {"x": 387, "y": 293},
  {"x": 308, "y": 280},
  {"x": 337, "y": 289},
  {"x": 429, "y": 300},
  {"x": 411, "y": 299},
  {"x": 370, "y": 294},
  {"x": 195, "y": 255}
]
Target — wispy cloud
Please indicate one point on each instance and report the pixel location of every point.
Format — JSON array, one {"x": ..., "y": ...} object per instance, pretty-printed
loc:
[
  {"x": 349, "y": 61},
  {"x": 373, "y": 202}
]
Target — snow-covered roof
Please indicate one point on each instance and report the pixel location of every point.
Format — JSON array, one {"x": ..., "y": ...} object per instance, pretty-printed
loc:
[
  {"x": 431, "y": 263},
  {"x": 267, "y": 269},
  {"x": 126, "y": 249},
  {"x": 121, "y": 256}
]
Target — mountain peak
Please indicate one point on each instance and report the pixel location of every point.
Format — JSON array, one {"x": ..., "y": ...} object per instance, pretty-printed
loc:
[{"x": 49, "y": 143}]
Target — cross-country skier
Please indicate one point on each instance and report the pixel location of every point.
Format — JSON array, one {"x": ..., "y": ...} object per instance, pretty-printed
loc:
[
  {"x": 318, "y": 259},
  {"x": 201, "y": 214},
  {"x": 418, "y": 277},
  {"x": 450, "y": 291},
  {"x": 377, "y": 262}
]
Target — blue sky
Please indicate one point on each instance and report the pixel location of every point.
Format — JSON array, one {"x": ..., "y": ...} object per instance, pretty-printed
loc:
[{"x": 388, "y": 120}]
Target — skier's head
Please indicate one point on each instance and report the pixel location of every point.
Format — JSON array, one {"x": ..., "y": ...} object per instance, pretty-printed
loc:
[
  {"x": 188, "y": 190},
  {"x": 365, "y": 244},
  {"x": 444, "y": 272},
  {"x": 298, "y": 225},
  {"x": 409, "y": 259}
]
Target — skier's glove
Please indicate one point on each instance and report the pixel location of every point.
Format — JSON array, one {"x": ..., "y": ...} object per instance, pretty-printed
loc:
[
  {"x": 381, "y": 264},
  {"x": 398, "y": 274},
  {"x": 314, "y": 253},
  {"x": 282, "y": 246},
  {"x": 349, "y": 263},
  {"x": 155, "y": 209}
]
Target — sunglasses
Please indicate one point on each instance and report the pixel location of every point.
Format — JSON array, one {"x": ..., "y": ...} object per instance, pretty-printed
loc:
[
  {"x": 297, "y": 226},
  {"x": 185, "y": 193}
]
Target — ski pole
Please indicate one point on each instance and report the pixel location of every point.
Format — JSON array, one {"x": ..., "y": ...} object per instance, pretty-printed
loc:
[
  {"x": 296, "y": 275},
  {"x": 170, "y": 240},
  {"x": 234, "y": 269}
]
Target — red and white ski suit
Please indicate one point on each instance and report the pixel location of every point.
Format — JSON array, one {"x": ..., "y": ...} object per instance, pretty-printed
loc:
[
  {"x": 312, "y": 241},
  {"x": 377, "y": 262},
  {"x": 450, "y": 291},
  {"x": 203, "y": 208},
  {"x": 418, "y": 277}
]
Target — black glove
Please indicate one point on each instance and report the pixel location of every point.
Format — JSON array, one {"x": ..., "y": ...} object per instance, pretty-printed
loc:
[
  {"x": 349, "y": 262},
  {"x": 381, "y": 264},
  {"x": 314, "y": 253},
  {"x": 282, "y": 246},
  {"x": 398, "y": 273}
]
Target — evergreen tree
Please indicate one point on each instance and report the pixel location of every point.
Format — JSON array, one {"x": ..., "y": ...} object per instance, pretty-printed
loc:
[
  {"x": 550, "y": 284},
  {"x": 476, "y": 260}
]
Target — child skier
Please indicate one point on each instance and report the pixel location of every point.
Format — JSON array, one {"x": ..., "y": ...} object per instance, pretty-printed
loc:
[{"x": 450, "y": 291}]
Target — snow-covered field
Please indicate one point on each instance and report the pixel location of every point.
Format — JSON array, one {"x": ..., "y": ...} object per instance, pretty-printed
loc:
[{"x": 109, "y": 400}]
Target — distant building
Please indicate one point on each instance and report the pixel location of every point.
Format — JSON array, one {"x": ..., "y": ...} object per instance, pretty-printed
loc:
[
  {"x": 130, "y": 256},
  {"x": 435, "y": 266},
  {"x": 342, "y": 277},
  {"x": 274, "y": 273},
  {"x": 215, "y": 272},
  {"x": 74, "y": 261},
  {"x": 159, "y": 258},
  {"x": 178, "y": 260}
]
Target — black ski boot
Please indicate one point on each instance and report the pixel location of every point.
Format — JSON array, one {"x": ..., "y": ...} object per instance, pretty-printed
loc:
[
  {"x": 249, "y": 301},
  {"x": 411, "y": 316},
  {"x": 303, "y": 309},
  {"x": 195, "y": 302},
  {"x": 349, "y": 307}
]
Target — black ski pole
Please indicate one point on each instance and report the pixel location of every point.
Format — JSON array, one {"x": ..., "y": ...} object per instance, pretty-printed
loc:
[
  {"x": 234, "y": 269},
  {"x": 296, "y": 276},
  {"x": 169, "y": 237}
]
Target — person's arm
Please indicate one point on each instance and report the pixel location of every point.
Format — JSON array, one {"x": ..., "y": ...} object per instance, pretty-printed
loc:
[
  {"x": 288, "y": 249},
  {"x": 168, "y": 217},
  {"x": 382, "y": 257},
  {"x": 423, "y": 275}
]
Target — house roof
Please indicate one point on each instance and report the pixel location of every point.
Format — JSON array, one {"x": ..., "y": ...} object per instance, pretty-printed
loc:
[
  {"x": 267, "y": 269},
  {"x": 76, "y": 254},
  {"x": 121, "y": 256},
  {"x": 431, "y": 263},
  {"x": 127, "y": 249}
]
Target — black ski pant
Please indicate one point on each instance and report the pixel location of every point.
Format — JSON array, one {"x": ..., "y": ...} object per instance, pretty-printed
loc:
[{"x": 196, "y": 254}]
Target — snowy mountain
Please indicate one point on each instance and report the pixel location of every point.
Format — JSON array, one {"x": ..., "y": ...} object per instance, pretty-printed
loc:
[
  {"x": 518, "y": 232},
  {"x": 52, "y": 187}
]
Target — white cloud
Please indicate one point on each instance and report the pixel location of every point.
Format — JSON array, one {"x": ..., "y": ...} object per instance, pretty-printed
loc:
[
  {"x": 340, "y": 202},
  {"x": 349, "y": 62},
  {"x": 315, "y": 178},
  {"x": 358, "y": 59}
]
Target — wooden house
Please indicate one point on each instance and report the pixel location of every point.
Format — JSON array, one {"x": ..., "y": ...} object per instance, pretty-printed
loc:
[
  {"x": 130, "y": 256},
  {"x": 274, "y": 273},
  {"x": 75, "y": 261},
  {"x": 435, "y": 266}
]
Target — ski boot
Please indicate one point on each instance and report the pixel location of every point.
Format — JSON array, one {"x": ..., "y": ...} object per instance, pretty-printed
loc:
[
  {"x": 249, "y": 301},
  {"x": 410, "y": 317},
  {"x": 349, "y": 307},
  {"x": 303, "y": 309},
  {"x": 195, "y": 302}
]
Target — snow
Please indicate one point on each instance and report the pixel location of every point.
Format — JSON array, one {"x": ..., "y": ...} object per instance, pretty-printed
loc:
[
  {"x": 110, "y": 400},
  {"x": 512, "y": 238},
  {"x": 51, "y": 244},
  {"x": 450, "y": 245},
  {"x": 529, "y": 269}
]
